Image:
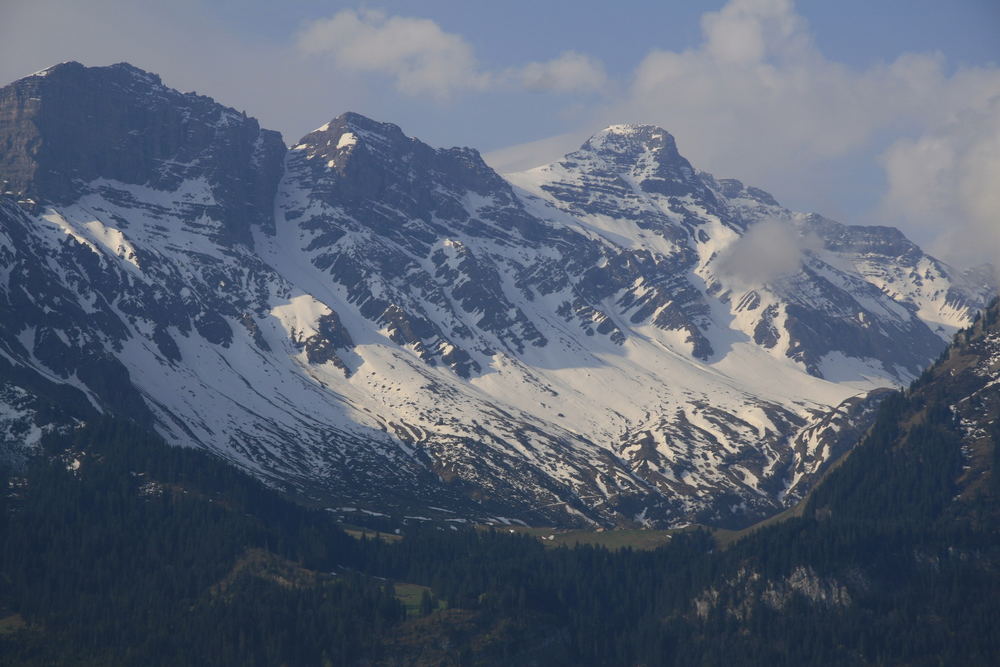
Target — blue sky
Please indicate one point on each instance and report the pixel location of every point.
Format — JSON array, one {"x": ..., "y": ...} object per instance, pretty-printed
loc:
[
  {"x": 853, "y": 31},
  {"x": 870, "y": 112}
]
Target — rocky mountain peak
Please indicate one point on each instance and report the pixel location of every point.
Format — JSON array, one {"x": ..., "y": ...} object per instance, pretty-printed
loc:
[
  {"x": 350, "y": 141},
  {"x": 366, "y": 128},
  {"x": 341, "y": 136},
  {"x": 122, "y": 73},
  {"x": 383, "y": 142},
  {"x": 630, "y": 141},
  {"x": 69, "y": 129},
  {"x": 353, "y": 159},
  {"x": 643, "y": 155}
]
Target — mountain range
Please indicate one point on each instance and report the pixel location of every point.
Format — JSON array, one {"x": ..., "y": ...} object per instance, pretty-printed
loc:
[{"x": 378, "y": 326}]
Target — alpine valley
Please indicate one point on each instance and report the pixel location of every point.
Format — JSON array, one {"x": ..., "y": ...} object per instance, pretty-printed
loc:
[{"x": 377, "y": 326}]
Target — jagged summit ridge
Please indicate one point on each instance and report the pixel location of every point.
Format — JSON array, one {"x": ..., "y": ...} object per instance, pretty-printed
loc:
[
  {"x": 380, "y": 144},
  {"x": 74, "y": 68},
  {"x": 381, "y": 323}
]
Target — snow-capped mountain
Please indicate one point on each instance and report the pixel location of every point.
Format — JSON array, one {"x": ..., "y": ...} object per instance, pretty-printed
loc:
[{"x": 378, "y": 325}]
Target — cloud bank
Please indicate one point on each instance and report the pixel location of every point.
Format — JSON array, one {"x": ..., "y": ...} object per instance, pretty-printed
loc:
[
  {"x": 948, "y": 180},
  {"x": 759, "y": 82}
]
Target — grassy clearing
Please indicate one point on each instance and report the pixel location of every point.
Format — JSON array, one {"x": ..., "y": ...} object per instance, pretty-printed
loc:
[
  {"x": 640, "y": 538},
  {"x": 358, "y": 533},
  {"x": 610, "y": 539},
  {"x": 411, "y": 594},
  {"x": 725, "y": 537}
]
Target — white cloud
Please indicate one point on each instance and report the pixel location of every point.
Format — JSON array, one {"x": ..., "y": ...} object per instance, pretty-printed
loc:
[
  {"x": 742, "y": 89},
  {"x": 769, "y": 250},
  {"x": 420, "y": 56},
  {"x": 571, "y": 72},
  {"x": 744, "y": 31},
  {"x": 948, "y": 180},
  {"x": 423, "y": 59}
]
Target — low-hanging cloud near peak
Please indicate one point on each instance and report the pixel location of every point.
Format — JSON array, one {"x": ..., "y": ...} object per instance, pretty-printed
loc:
[{"x": 769, "y": 250}]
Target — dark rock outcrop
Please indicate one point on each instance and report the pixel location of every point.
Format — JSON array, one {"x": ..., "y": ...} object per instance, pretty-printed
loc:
[{"x": 69, "y": 125}]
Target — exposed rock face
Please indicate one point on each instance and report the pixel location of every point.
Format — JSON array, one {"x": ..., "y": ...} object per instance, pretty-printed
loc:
[
  {"x": 739, "y": 595},
  {"x": 379, "y": 324},
  {"x": 71, "y": 125},
  {"x": 378, "y": 204}
]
